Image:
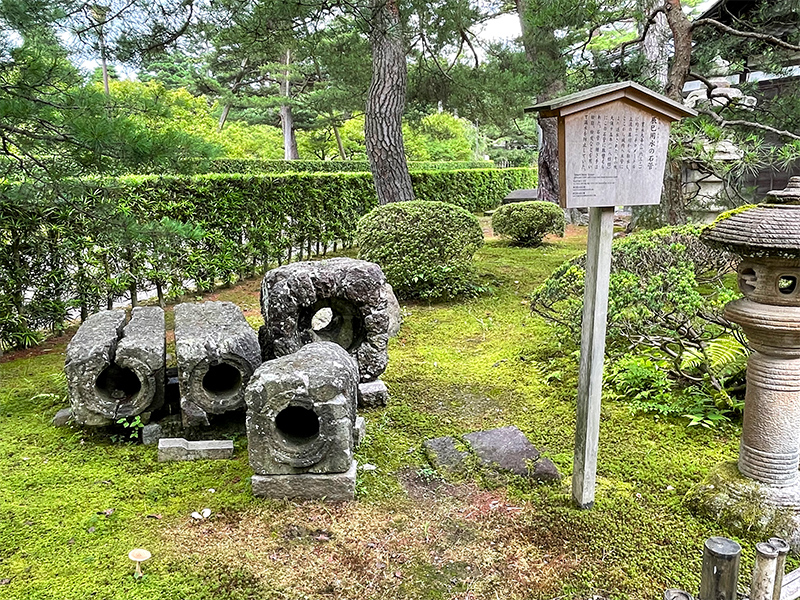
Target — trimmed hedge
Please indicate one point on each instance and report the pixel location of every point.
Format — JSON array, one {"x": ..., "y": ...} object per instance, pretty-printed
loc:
[
  {"x": 256, "y": 165},
  {"x": 98, "y": 240},
  {"x": 425, "y": 248},
  {"x": 528, "y": 222}
]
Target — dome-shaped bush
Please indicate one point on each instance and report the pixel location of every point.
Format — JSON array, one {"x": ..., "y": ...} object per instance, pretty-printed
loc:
[
  {"x": 528, "y": 222},
  {"x": 424, "y": 248}
]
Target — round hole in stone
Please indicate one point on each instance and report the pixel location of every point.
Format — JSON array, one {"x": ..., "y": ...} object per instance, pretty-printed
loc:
[
  {"x": 787, "y": 284},
  {"x": 222, "y": 379},
  {"x": 299, "y": 425},
  {"x": 119, "y": 384},
  {"x": 333, "y": 320},
  {"x": 747, "y": 281}
]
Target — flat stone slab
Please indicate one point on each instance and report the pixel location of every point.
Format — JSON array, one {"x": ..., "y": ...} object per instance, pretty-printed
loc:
[
  {"x": 443, "y": 454},
  {"x": 178, "y": 449},
  {"x": 331, "y": 487},
  {"x": 505, "y": 448}
]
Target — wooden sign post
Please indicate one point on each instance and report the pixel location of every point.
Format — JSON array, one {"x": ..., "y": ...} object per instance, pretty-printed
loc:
[{"x": 612, "y": 143}]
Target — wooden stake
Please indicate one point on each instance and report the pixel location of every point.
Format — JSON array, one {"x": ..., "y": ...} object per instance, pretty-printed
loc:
[{"x": 593, "y": 344}]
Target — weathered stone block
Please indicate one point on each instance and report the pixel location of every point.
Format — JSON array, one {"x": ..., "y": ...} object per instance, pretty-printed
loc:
[
  {"x": 116, "y": 370},
  {"x": 217, "y": 353},
  {"x": 179, "y": 449},
  {"x": 332, "y": 487},
  {"x": 372, "y": 394},
  {"x": 301, "y": 412},
  {"x": 340, "y": 300}
]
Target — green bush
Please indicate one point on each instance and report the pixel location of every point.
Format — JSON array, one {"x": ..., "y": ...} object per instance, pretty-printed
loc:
[
  {"x": 666, "y": 298},
  {"x": 260, "y": 165},
  {"x": 528, "y": 222},
  {"x": 97, "y": 240},
  {"x": 425, "y": 248}
]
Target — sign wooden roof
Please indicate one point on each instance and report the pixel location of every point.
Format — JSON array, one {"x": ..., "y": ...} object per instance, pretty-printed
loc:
[{"x": 627, "y": 91}]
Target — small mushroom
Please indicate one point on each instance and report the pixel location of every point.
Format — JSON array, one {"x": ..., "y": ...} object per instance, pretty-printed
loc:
[{"x": 139, "y": 555}]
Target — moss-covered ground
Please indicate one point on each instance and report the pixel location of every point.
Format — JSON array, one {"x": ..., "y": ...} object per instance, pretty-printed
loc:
[{"x": 73, "y": 503}]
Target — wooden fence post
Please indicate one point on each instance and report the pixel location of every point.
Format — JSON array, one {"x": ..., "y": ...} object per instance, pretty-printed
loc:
[{"x": 720, "y": 569}]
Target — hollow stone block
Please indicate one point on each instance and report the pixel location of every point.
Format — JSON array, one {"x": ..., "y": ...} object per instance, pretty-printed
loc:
[
  {"x": 116, "y": 370},
  {"x": 217, "y": 353},
  {"x": 301, "y": 412},
  {"x": 340, "y": 300}
]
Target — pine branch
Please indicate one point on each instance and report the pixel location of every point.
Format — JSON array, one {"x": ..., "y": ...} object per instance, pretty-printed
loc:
[{"x": 764, "y": 37}]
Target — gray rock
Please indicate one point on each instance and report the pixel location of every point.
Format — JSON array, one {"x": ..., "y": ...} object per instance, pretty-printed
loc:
[
  {"x": 505, "y": 448},
  {"x": 179, "y": 449},
  {"x": 363, "y": 310},
  {"x": 217, "y": 353},
  {"x": 360, "y": 431},
  {"x": 151, "y": 434},
  {"x": 115, "y": 370},
  {"x": 394, "y": 312},
  {"x": 545, "y": 470},
  {"x": 444, "y": 456},
  {"x": 372, "y": 394},
  {"x": 63, "y": 418},
  {"x": 301, "y": 412},
  {"x": 332, "y": 487}
]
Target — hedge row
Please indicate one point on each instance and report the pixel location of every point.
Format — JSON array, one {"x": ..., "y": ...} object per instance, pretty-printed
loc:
[
  {"x": 255, "y": 165},
  {"x": 96, "y": 241}
]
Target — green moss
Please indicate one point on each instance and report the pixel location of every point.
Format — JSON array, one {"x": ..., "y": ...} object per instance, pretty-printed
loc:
[
  {"x": 455, "y": 367},
  {"x": 738, "y": 504}
]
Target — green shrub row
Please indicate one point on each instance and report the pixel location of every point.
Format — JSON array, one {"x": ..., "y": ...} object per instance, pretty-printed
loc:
[
  {"x": 94, "y": 241},
  {"x": 257, "y": 165}
]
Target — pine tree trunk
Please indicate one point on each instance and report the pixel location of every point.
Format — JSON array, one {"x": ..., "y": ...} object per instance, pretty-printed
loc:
[
  {"x": 287, "y": 120},
  {"x": 339, "y": 143},
  {"x": 385, "y": 104},
  {"x": 656, "y": 43},
  {"x": 223, "y": 117},
  {"x": 543, "y": 51}
]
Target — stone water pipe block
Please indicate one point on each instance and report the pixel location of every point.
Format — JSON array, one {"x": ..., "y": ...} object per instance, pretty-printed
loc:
[
  {"x": 178, "y": 449},
  {"x": 340, "y": 300},
  {"x": 217, "y": 353},
  {"x": 301, "y": 424},
  {"x": 116, "y": 370}
]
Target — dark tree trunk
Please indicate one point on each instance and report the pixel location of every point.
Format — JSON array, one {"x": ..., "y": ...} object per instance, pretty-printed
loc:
[
  {"x": 542, "y": 49},
  {"x": 672, "y": 200},
  {"x": 548, "y": 159},
  {"x": 681, "y": 29},
  {"x": 385, "y": 104}
]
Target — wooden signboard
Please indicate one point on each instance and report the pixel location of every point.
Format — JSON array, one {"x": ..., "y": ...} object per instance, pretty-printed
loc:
[
  {"x": 612, "y": 144},
  {"x": 612, "y": 147}
]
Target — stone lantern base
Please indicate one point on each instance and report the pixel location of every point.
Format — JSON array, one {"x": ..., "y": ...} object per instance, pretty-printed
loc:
[{"x": 743, "y": 505}]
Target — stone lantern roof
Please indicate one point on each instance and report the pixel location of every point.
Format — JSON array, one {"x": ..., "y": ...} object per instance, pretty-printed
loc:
[{"x": 766, "y": 230}]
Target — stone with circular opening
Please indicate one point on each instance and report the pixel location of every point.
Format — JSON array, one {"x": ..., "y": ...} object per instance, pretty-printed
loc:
[
  {"x": 217, "y": 352},
  {"x": 363, "y": 310},
  {"x": 116, "y": 370},
  {"x": 301, "y": 412}
]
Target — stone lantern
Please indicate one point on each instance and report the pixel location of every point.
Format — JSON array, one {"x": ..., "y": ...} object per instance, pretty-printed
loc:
[{"x": 767, "y": 237}]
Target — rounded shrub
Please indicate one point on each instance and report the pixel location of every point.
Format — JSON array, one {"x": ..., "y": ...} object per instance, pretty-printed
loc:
[
  {"x": 424, "y": 248},
  {"x": 528, "y": 222}
]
